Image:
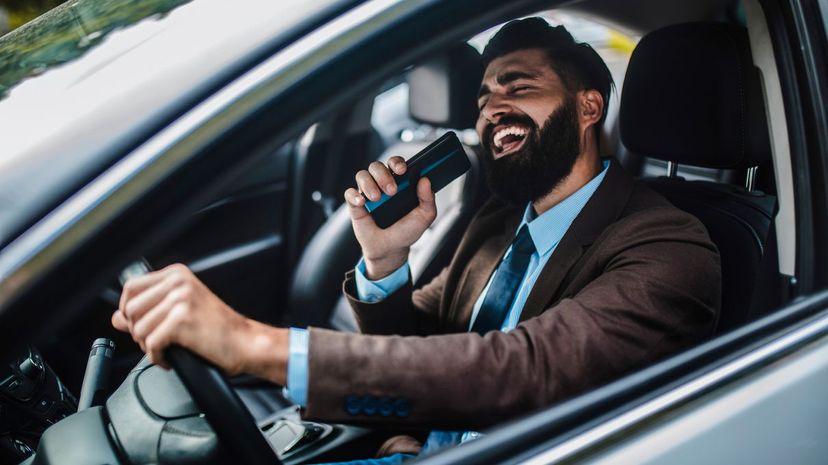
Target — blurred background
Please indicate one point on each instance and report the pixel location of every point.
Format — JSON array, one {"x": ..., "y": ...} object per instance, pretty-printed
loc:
[{"x": 15, "y": 13}]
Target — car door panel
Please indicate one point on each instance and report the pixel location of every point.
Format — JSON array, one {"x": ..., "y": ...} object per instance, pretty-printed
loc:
[{"x": 237, "y": 244}]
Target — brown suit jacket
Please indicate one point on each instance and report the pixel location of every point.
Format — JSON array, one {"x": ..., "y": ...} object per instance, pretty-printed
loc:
[{"x": 633, "y": 280}]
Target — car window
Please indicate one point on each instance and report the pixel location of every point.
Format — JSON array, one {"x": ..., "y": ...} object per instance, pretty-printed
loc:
[
  {"x": 53, "y": 99},
  {"x": 67, "y": 32}
]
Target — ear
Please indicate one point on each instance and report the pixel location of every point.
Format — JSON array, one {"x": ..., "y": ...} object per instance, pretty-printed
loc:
[{"x": 590, "y": 108}]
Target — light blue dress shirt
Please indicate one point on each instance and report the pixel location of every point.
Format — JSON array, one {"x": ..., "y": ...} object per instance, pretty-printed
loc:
[{"x": 546, "y": 231}]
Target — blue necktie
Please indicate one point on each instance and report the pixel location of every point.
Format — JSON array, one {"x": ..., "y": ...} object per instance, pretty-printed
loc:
[
  {"x": 493, "y": 310},
  {"x": 505, "y": 284}
]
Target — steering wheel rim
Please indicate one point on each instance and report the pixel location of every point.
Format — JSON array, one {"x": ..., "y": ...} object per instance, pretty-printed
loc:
[{"x": 224, "y": 411}]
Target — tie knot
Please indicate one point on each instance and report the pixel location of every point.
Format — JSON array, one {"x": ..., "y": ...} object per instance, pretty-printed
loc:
[{"x": 523, "y": 242}]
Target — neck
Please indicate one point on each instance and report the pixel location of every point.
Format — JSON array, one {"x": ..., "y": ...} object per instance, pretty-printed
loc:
[{"x": 586, "y": 167}]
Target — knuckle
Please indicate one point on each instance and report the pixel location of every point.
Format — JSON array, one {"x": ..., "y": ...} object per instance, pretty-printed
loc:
[
  {"x": 181, "y": 294},
  {"x": 180, "y": 269},
  {"x": 176, "y": 279},
  {"x": 185, "y": 292},
  {"x": 175, "y": 294},
  {"x": 130, "y": 309},
  {"x": 139, "y": 333},
  {"x": 180, "y": 314}
]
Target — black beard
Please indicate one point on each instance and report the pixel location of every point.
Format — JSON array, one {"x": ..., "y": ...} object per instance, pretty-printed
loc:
[{"x": 545, "y": 159}]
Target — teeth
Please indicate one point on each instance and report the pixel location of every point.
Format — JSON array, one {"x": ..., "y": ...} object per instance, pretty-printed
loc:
[{"x": 508, "y": 130}]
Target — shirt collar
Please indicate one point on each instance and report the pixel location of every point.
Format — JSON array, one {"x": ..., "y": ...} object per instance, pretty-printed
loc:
[{"x": 549, "y": 228}]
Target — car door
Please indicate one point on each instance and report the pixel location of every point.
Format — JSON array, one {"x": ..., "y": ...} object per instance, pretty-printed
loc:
[{"x": 238, "y": 243}]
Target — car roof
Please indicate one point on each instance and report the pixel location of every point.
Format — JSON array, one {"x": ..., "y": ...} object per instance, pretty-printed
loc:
[{"x": 66, "y": 123}]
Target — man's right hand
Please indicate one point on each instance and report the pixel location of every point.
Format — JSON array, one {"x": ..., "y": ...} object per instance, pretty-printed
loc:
[{"x": 385, "y": 250}]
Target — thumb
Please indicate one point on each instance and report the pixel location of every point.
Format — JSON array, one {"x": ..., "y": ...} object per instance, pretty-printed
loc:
[{"x": 426, "y": 197}]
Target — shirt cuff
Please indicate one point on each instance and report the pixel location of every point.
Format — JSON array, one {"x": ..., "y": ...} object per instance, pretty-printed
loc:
[
  {"x": 375, "y": 291},
  {"x": 297, "y": 368}
]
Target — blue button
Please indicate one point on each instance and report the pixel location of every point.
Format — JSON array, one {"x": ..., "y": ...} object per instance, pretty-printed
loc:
[
  {"x": 353, "y": 405},
  {"x": 402, "y": 408},
  {"x": 369, "y": 405},
  {"x": 386, "y": 407}
]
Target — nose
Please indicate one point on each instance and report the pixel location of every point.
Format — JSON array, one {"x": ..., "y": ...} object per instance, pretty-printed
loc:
[{"x": 496, "y": 106}]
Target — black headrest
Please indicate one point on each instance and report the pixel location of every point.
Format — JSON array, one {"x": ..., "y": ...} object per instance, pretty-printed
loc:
[
  {"x": 693, "y": 96},
  {"x": 443, "y": 90}
]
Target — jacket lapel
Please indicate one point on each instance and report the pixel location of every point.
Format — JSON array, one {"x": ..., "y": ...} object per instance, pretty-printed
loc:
[
  {"x": 483, "y": 262},
  {"x": 602, "y": 209}
]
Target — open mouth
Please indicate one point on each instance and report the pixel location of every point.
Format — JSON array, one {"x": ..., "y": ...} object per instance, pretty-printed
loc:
[{"x": 508, "y": 139}]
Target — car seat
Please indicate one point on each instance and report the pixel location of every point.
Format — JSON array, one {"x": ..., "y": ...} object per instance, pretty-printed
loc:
[
  {"x": 692, "y": 96},
  {"x": 343, "y": 142},
  {"x": 442, "y": 94}
]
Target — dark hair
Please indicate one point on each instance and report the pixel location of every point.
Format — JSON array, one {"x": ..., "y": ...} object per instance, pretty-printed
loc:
[{"x": 578, "y": 64}]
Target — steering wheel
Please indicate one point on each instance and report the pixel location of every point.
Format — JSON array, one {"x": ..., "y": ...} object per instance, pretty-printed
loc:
[{"x": 225, "y": 412}]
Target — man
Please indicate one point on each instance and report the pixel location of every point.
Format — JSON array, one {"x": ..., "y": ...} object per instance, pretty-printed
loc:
[{"x": 569, "y": 277}]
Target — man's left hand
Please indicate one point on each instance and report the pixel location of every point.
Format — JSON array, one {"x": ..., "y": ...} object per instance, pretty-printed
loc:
[{"x": 172, "y": 306}]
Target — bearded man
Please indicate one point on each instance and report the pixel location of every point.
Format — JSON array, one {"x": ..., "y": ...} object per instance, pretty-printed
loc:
[{"x": 570, "y": 276}]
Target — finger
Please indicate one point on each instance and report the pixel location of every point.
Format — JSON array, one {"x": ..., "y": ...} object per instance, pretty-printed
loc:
[
  {"x": 119, "y": 321},
  {"x": 426, "y": 211},
  {"x": 355, "y": 202},
  {"x": 134, "y": 286},
  {"x": 382, "y": 176},
  {"x": 162, "y": 336},
  {"x": 367, "y": 185},
  {"x": 137, "y": 306},
  {"x": 397, "y": 165},
  {"x": 142, "y": 328}
]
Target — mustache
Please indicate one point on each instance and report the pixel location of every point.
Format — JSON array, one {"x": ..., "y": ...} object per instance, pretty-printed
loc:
[{"x": 507, "y": 119}]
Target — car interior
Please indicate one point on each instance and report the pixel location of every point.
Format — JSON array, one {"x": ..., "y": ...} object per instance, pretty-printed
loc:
[{"x": 692, "y": 120}]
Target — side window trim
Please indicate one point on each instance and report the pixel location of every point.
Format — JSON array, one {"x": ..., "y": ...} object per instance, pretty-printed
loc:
[{"x": 762, "y": 50}]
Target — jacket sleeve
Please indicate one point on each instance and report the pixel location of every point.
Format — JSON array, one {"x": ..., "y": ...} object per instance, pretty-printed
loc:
[
  {"x": 403, "y": 312},
  {"x": 658, "y": 293}
]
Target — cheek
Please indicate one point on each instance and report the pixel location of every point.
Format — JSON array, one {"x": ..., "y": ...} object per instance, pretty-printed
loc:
[
  {"x": 541, "y": 109},
  {"x": 480, "y": 126}
]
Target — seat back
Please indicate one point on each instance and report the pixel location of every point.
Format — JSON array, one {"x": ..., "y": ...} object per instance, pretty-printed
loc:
[
  {"x": 693, "y": 96},
  {"x": 442, "y": 94}
]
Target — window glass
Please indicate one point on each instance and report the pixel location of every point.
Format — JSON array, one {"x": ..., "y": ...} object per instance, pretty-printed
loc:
[{"x": 67, "y": 32}]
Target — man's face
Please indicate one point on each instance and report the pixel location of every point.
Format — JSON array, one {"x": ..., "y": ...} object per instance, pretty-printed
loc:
[{"x": 528, "y": 125}]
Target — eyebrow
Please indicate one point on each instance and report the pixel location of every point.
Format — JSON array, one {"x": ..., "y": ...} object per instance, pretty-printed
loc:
[{"x": 506, "y": 78}]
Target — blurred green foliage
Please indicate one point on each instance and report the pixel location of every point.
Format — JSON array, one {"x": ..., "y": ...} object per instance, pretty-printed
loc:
[
  {"x": 23, "y": 11},
  {"x": 66, "y": 32}
]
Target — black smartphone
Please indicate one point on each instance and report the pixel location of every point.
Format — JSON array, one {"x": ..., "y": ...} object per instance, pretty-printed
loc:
[{"x": 443, "y": 161}]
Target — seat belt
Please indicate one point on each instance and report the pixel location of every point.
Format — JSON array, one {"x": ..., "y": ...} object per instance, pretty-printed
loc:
[{"x": 325, "y": 198}]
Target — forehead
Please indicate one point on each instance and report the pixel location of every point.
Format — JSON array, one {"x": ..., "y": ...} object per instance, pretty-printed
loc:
[{"x": 532, "y": 61}]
